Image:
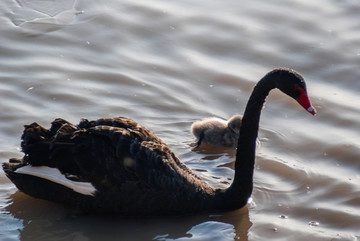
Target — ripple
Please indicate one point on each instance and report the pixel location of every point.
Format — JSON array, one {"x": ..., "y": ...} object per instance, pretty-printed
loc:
[{"x": 166, "y": 64}]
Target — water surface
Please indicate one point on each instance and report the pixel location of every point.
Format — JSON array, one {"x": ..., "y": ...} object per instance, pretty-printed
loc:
[{"x": 167, "y": 64}]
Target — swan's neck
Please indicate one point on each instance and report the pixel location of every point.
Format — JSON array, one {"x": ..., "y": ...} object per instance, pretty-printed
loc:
[{"x": 242, "y": 186}]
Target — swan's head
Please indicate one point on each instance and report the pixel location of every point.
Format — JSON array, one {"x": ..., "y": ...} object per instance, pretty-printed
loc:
[{"x": 293, "y": 84}]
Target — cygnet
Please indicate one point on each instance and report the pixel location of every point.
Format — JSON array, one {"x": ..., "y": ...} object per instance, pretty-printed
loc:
[{"x": 217, "y": 132}]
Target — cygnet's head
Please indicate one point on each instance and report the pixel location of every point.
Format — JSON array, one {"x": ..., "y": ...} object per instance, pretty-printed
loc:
[{"x": 234, "y": 123}]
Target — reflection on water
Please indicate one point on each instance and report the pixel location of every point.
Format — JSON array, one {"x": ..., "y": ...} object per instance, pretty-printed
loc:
[
  {"x": 39, "y": 17},
  {"x": 43, "y": 220},
  {"x": 167, "y": 64}
]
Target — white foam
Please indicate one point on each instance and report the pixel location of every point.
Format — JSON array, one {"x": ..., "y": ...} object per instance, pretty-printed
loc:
[{"x": 54, "y": 175}]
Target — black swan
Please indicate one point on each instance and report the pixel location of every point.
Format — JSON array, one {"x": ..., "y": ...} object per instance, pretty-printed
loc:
[
  {"x": 217, "y": 132},
  {"x": 118, "y": 166}
]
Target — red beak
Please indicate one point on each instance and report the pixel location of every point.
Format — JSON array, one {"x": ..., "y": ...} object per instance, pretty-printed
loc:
[{"x": 304, "y": 101}]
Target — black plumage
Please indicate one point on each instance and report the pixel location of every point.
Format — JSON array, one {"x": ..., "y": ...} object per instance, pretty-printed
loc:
[{"x": 134, "y": 172}]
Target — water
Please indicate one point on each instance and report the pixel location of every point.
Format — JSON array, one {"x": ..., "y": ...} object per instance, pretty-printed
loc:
[{"x": 166, "y": 64}]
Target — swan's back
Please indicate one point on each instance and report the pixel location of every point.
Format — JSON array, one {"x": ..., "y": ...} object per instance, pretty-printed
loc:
[{"x": 132, "y": 170}]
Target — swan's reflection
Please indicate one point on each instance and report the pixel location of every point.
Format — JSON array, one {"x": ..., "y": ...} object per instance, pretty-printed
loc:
[{"x": 44, "y": 220}]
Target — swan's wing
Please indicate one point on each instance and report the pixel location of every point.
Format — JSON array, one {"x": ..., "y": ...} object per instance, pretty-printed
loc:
[
  {"x": 108, "y": 165},
  {"x": 109, "y": 153},
  {"x": 112, "y": 156}
]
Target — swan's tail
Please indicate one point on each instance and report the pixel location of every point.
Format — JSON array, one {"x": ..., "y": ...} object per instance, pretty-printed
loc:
[
  {"x": 36, "y": 141},
  {"x": 49, "y": 184}
]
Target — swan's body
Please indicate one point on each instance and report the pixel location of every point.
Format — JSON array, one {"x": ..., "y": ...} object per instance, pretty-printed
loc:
[
  {"x": 217, "y": 132},
  {"x": 124, "y": 168}
]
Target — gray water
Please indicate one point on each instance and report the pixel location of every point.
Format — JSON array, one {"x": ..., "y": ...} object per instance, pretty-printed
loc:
[{"x": 168, "y": 63}]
